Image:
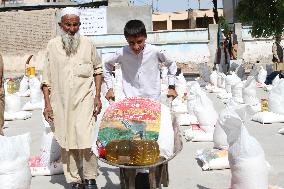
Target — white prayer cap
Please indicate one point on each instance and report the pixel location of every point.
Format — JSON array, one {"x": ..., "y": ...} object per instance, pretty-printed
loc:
[{"x": 69, "y": 11}]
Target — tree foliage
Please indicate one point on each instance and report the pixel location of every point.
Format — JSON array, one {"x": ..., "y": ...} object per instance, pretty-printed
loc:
[
  {"x": 224, "y": 25},
  {"x": 265, "y": 16}
]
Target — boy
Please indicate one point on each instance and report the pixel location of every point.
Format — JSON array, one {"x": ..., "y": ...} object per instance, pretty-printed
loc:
[{"x": 140, "y": 66}]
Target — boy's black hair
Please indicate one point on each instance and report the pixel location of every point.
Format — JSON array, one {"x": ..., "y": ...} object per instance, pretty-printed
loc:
[{"x": 135, "y": 28}]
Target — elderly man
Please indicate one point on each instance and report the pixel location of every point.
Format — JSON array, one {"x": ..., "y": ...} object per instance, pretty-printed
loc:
[
  {"x": 2, "y": 96},
  {"x": 71, "y": 71}
]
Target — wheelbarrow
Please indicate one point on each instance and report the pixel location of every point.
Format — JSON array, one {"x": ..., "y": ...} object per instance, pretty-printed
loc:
[{"x": 158, "y": 172}]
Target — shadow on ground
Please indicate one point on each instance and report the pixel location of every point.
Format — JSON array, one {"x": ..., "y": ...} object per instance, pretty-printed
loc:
[
  {"x": 105, "y": 173},
  {"x": 60, "y": 179},
  {"x": 201, "y": 187}
]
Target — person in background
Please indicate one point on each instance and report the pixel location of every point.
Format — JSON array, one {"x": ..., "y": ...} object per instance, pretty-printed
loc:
[
  {"x": 277, "y": 59},
  {"x": 71, "y": 71},
  {"x": 233, "y": 45},
  {"x": 277, "y": 51},
  {"x": 140, "y": 66},
  {"x": 2, "y": 96},
  {"x": 222, "y": 59}
]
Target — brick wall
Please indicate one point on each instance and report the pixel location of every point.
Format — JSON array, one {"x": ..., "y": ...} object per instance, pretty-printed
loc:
[{"x": 26, "y": 32}]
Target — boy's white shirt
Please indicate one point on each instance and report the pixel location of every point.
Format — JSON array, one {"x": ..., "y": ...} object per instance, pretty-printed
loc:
[{"x": 140, "y": 73}]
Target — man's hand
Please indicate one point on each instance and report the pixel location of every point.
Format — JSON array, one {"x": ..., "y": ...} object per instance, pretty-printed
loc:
[
  {"x": 1, "y": 131},
  {"x": 110, "y": 95},
  {"x": 48, "y": 114},
  {"x": 172, "y": 93},
  {"x": 97, "y": 106}
]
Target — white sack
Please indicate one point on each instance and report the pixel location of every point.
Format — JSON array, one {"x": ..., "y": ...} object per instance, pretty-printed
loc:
[
  {"x": 221, "y": 83},
  {"x": 25, "y": 94},
  {"x": 21, "y": 115},
  {"x": 14, "y": 169},
  {"x": 214, "y": 78},
  {"x": 276, "y": 80},
  {"x": 237, "y": 92},
  {"x": 12, "y": 103},
  {"x": 35, "y": 90},
  {"x": 246, "y": 156},
  {"x": 261, "y": 77},
  {"x": 220, "y": 137},
  {"x": 195, "y": 134},
  {"x": 52, "y": 168},
  {"x": 178, "y": 106},
  {"x": 24, "y": 86},
  {"x": 213, "y": 159},
  {"x": 231, "y": 80},
  {"x": 224, "y": 95},
  {"x": 180, "y": 85},
  {"x": 205, "y": 113},
  {"x": 186, "y": 119},
  {"x": 29, "y": 106},
  {"x": 268, "y": 117},
  {"x": 50, "y": 149},
  {"x": 249, "y": 90},
  {"x": 276, "y": 98},
  {"x": 166, "y": 134}
]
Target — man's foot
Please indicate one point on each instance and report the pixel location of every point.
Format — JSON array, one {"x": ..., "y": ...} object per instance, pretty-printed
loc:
[
  {"x": 77, "y": 185},
  {"x": 91, "y": 184}
]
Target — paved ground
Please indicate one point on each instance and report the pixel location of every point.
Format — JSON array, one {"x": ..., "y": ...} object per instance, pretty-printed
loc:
[{"x": 185, "y": 173}]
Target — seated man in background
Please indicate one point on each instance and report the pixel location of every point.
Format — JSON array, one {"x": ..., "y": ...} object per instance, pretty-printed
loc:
[{"x": 277, "y": 59}]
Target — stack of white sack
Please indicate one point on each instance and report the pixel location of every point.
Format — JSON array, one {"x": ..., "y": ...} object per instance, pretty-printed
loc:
[
  {"x": 14, "y": 167},
  {"x": 202, "y": 107},
  {"x": 24, "y": 87},
  {"x": 221, "y": 83},
  {"x": 246, "y": 156},
  {"x": 213, "y": 87},
  {"x": 249, "y": 94},
  {"x": 48, "y": 162},
  {"x": 261, "y": 77},
  {"x": 195, "y": 133},
  {"x": 220, "y": 137},
  {"x": 214, "y": 78},
  {"x": 181, "y": 85},
  {"x": 230, "y": 80},
  {"x": 194, "y": 89},
  {"x": 36, "y": 96},
  {"x": 13, "y": 108},
  {"x": 237, "y": 92},
  {"x": 275, "y": 106},
  {"x": 180, "y": 107},
  {"x": 179, "y": 104}
]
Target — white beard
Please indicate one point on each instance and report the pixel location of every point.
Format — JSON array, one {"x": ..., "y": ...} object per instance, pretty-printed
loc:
[{"x": 70, "y": 43}]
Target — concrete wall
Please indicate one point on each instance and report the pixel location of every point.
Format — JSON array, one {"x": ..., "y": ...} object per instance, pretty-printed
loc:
[
  {"x": 26, "y": 31},
  {"x": 191, "y": 16},
  {"x": 118, "y": 16},
  {"x": 183, "y": 45}
]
